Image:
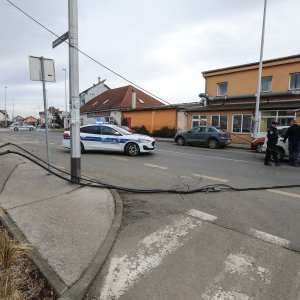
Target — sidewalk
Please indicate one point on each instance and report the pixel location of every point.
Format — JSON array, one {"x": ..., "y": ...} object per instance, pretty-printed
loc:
[{"x": 71, "y": 228}]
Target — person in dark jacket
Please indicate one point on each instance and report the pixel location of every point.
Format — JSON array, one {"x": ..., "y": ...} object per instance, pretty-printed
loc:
[
  {"x": 293, "y": 135},
  {"x": 272, "y": 136}
]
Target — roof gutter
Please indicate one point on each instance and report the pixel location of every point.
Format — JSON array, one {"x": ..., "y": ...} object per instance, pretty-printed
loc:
[{"x": 249, "y": 96}]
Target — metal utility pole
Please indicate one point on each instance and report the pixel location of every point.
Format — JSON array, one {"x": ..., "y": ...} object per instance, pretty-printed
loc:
[
  {"x": 45, "y": 110},
  {"x": 66, "y": 101},
  {"x": 256, "y": 118},
  {"x": 13, "y": 110},
  {"x": 5, "y": 106},
  {"x": 74, "y": 92}
]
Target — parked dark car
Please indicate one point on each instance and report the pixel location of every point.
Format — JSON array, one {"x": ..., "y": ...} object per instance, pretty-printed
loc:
[
  {"x": 128, "y": 129},
  {"x": 55, "y": 126},
  {"x": 204, "y": 135}
]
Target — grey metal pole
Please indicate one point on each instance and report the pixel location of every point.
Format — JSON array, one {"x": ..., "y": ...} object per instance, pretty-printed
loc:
[
  {"x": 66, "y": 101},
  {"x": 45, "y": 110},
  {"x": 256, "y": 118},
  {"x": 74, "y": 92},
  {"x": 5, "y": 106}
]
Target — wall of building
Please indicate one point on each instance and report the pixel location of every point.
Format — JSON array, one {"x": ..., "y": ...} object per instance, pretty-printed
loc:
[
  {"x": 244, "y": 80},
  {"x": 152, "y": 119},
  {"x": 92, "y": 93},
  {"x": 182, "y": 124},
  {"x": 239, "y": 138}
]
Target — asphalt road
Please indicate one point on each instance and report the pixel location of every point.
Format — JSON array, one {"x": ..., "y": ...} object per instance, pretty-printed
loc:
[
  {"x": 184, "y": 168},
  {"x": 271, "y": 215}
]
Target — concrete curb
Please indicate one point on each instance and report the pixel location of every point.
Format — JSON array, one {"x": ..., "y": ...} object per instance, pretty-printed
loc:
[{"x": 80, "y": 287}]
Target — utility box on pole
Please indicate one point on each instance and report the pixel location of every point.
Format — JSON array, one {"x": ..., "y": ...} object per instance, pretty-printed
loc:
[{"x": 74, "y": 92}]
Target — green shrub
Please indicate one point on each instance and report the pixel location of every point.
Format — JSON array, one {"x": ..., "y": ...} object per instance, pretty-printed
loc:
[
  {"x": 141, "y": 130},
  {"x": 165, "y": 132}
]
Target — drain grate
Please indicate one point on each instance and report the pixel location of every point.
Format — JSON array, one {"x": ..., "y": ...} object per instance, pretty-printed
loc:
[{"x": 269, "y": 172}]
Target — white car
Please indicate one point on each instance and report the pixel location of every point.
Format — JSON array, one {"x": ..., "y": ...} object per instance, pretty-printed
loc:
[
  {"x": 23, "y": 126},
  {"x": 108, "y": 137},
  {"x": 281, "y": 147}
]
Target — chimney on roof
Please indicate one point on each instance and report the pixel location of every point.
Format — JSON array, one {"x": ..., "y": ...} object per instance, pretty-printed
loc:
[
  {"x": 133, "y": 99},
  {"x": 99, "y": 79}
]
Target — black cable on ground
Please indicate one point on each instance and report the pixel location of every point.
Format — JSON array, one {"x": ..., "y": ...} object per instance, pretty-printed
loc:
[{"x": 204, "y": 189}]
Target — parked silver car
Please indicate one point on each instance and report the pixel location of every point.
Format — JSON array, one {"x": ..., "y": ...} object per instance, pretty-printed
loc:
[{"x": 22, "y": 126}]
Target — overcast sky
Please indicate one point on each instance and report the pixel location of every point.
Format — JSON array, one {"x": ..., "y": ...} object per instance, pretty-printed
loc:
[{"x": 161, "y": 45}]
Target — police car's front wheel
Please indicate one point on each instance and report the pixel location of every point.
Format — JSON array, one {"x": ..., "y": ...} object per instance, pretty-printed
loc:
[
  {"x": 82, "y": 150},
  {"x": 132, "y": 149}
]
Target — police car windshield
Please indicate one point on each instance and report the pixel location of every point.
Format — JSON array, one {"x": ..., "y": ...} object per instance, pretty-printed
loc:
[{"x": 121, "y": 130}]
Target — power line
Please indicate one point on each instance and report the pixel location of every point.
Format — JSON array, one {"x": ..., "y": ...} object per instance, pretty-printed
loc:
[{"x": 86, "y": 55}]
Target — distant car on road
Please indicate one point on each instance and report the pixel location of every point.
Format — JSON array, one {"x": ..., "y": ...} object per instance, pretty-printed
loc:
[
  {"x": 55, "y": 126},
  {"x": 128, "y": 129},
  {"x": 23, "y": 126},
  {"x": 210, "y": 136},
  {"x": 108, "y": 137},
  {"x": 257, "y": 144}
]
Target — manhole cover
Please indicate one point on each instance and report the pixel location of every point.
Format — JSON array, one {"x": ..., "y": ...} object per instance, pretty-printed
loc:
[{"x": 269, "y": 172}]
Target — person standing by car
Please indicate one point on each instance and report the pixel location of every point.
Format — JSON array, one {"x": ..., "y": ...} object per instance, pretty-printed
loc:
[
  {"x": 293, "y": 135},
  {"x": 272, "y": 137}
]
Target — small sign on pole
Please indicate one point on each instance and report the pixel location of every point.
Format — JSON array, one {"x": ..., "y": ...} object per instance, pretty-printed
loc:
[
  {"x": 60, "y": 40},
  {"x": 35, "y": 69}
]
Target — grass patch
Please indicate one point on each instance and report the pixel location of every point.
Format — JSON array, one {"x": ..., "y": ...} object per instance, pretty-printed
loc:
[{"x": 20, "y": 279}]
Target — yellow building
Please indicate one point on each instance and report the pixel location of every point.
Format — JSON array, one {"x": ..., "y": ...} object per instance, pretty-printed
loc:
[{"x": 230, "y": 97}]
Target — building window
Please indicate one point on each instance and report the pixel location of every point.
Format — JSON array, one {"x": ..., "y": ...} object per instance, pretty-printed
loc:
[
  {"x": 242, "y": 123},
  {"x": 294, "y": 81},
  {"x": 219, "y": 121},
  {"x": 266, "y": 84},
  {"x": 141, "y": 101},
  {"x": 283, "y": 117},
  {"x": 199, "y": 120},
  {"x": 222, "y": 89}
]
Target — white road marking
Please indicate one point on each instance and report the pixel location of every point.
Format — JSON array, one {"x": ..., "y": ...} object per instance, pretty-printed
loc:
[
  {"x": 156, "y": 166},
  {"x": 213, "y": 157},
  {"x": 126, "y": 270},
  {"x": 120, "y": 158},
  {"x": 212, "y": 178},
  {"x": 241, "y": 268},
  {"x": 201, "y": 215},
  {"x": 269, "y": 238},
  {"x": 283, "y": 193}
]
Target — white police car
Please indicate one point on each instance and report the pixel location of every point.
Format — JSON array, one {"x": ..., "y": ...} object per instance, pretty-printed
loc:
[{"x": 109, "y": 137}]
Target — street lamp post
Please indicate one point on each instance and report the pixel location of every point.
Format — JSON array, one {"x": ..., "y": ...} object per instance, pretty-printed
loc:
[
  {"x": 13, "y": 110},
  {"x": 66, "y": 101},
  {"x": 5, "y": 106},
  {"x": 256, "y": 118}
]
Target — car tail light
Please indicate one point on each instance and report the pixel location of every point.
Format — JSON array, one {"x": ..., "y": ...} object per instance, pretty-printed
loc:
[{"x": 66, "y": 135}]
